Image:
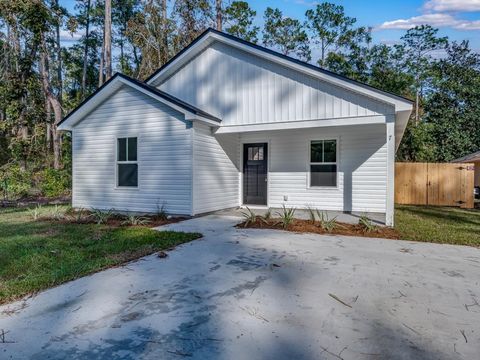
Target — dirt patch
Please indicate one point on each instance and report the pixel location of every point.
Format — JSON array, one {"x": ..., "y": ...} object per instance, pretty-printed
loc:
[{"x": 306, "y": 226}]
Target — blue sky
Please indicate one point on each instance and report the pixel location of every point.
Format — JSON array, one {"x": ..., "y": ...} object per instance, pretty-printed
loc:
[{"x": 457, "y": 19}]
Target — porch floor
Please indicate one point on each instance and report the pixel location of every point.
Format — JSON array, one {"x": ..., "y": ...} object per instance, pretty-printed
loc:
[{"x": 349, "y": 218}]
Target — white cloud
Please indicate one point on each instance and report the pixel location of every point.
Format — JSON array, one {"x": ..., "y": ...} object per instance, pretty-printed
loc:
[
  {"x": 68, "y": 36},
  {"x": 435, "y": 20},
  {"x": 452, "y": 5}
]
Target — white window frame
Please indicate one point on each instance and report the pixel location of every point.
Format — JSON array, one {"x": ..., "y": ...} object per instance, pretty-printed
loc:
[
  {"x": 118, "y": 162},
  {"x": 310, "y": 163}
]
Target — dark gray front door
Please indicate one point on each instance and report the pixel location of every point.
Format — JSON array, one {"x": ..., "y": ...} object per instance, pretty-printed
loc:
[{"x": 255, "y": 174}]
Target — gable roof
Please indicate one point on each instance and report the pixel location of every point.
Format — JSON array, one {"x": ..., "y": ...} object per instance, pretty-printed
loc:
[
  {"x": 473, "y": 157},
  {"x": 210, "y": 35},
  {"x": 191, "y": 112}
]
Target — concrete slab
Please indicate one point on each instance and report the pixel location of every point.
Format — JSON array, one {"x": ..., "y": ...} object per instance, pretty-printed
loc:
[{"x": 261, "y": 294}]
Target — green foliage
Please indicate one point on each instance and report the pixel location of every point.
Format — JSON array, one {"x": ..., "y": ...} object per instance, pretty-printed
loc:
[
  {"x": 57, "y": 213},
  {"x": 325, "y": 223},
  {"x": 239, "y": 19},
  {"x": 101, "y": 216},
  {"x": 79, "y": 215},
  {"x": 35, "y": 212},
  {"x": 311, "y": 214},
  {"x": 285, "y": 34},
  {"x": 286, "y": 216},
  {"x": 367, "y": 224},
  {"x": 249, "y": 217},
  {"x": 15, "y": 182},
  {"x": 334, "y": 32},
  {"x": 55, "y": 183},
  {"x": 161, "y": 212},
  {"x": 135, "y": 220},
  {"x": 265, "y": 218}
]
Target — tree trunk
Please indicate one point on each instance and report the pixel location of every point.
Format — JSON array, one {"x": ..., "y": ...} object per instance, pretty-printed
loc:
[
  {"x": 108, "y": 39},
  {"x": 59, "y": 55},
  {"x": 54, "y": 102},
  {"x": 102, "y": 57},
  {"x": 85, "y": 50},
  {"x": 165, "y": 31},
  {"x": 219, "y": 14}
]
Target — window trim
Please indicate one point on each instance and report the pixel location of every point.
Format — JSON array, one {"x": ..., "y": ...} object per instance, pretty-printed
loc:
[
  {"x": 117, "y": 162},
  {"x": 310, "y": 163}
]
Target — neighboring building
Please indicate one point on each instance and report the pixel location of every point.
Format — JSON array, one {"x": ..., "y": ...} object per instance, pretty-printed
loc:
[
  {"x": 475, "y": 159},
  {"x": 228, "y": 123}
]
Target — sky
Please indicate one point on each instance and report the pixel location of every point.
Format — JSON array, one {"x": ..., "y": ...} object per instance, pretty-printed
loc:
[{"x": 457, "y": 19}]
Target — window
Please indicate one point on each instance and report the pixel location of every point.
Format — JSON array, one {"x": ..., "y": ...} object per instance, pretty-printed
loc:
[
  {"x": 127, "y": 166},
  {"x": 255, "y": 153},
  {"x": 323, "y": 163}
]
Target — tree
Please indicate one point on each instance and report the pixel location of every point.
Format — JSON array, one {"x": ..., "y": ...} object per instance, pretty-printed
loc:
[
  {"x": 155, "y": 35},
  {"x": 285, "y": 34},
  {"x": 193, "y": 17},
  {"x": 239, "y": 20},
  {"x": 451, "y": 106},
  {"x": 419, "y": 42},
  {"x": 332, "y": 30}
]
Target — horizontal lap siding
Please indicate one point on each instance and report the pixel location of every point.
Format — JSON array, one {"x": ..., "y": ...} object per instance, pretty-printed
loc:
[
  {"x": 164, "y": 155},
  {"x": 215, "y": 170},
  {"x": 241, "y": 88},
  {"x": 362, "y": 184}
]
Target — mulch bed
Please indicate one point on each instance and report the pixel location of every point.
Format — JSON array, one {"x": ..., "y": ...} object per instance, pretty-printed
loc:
[
  {"x": 306, "y": 226},
  {"x": 115, "y": 220}
]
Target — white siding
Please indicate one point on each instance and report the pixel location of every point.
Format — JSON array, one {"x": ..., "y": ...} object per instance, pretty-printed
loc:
[
  {"x": 164, "y": 155},
  {"x": 241, "y": 88},
  {"x": 362, "y": 177},
  {"x": 215, "y": 184}
]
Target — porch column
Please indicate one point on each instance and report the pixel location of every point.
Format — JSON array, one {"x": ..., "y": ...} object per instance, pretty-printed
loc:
[{"x": 390, "y": 205}]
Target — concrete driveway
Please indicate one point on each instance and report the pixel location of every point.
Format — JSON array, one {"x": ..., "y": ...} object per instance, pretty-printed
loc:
[{"x": 258, "y": 294}]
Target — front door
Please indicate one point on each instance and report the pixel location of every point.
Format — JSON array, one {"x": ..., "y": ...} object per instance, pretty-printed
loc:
[{"x": 255, "y": 174}]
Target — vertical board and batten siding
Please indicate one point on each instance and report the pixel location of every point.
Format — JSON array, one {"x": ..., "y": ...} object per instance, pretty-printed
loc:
[
  {"x": 215, "y": 170},
  {"x": 242, "y": 88},
  {"x": 362, "y": 168},
  {"x": 164, "y": 155}
]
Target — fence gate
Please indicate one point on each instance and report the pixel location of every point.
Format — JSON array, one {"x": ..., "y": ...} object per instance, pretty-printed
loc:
[{"x": 434, "y": 184}]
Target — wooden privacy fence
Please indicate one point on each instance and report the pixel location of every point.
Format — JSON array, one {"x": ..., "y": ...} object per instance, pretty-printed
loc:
[{"x": 434, "y": 184}]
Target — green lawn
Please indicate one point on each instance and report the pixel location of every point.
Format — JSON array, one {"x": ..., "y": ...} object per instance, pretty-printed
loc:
[
  {"x": 438, "y": 224},
  {"x": 35, "y": 255}
]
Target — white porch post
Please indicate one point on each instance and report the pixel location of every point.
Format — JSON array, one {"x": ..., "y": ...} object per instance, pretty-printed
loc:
[{"x": 390, "y": 206}]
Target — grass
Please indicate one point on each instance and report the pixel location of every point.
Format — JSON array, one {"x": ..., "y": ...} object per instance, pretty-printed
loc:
[
  {"x": 37, "y": 254},
  {"x": 442, "y": 225}
]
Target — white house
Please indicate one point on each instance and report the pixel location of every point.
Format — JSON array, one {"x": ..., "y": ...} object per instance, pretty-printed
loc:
[{"x": 228, "y": 123}]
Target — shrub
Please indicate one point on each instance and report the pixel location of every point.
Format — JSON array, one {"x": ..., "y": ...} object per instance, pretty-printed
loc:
[
  {"x": 367, "y": 224},
  {"x": 35, "y": 212},
  {"x": 249, "y": 217},
  {"x": 15, "y": 182},
  {"x": 135, "y": 220},
  {"x": 267, "y": 216},
  {"x": 79, "y": 215},
  {"x": 54, "y": 183},
  {"x": 161, "y": 212},
  {"x": 101, "y": 216},
  {"x": 286, "y": 216},
  {"x": 57, "y": 213},
  {"x": 311, "y": 214},
  {"x": 325, "y": 223}
]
